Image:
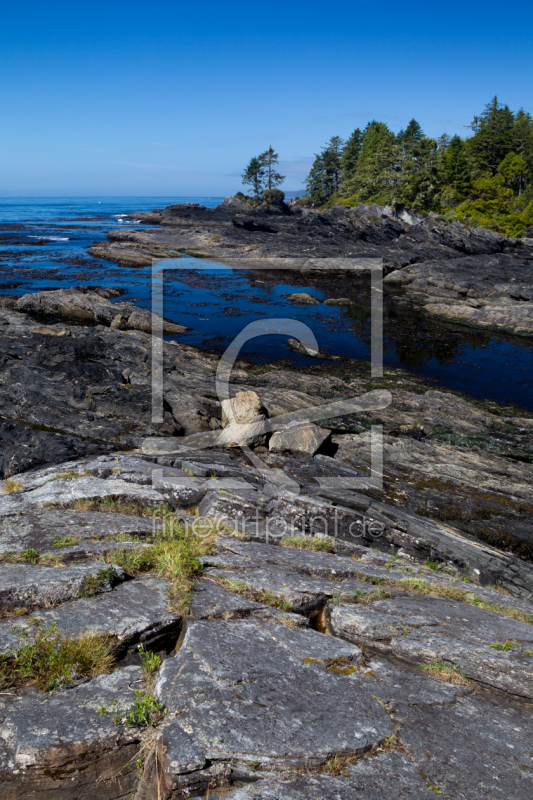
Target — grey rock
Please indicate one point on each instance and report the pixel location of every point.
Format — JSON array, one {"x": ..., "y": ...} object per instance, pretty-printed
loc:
[
  {"x": 42, "y": 530},
  {"x": 65, "y": 492},
  {"x": 480, "y": 747},
  {"x": 33, "y": 586},
  {"x": 244, "y": 693},
  {"x": 421, "y": 630},
  {"x": 135, "y": 611},
  {"x": 212, "y": 601},
  {"x": 386, "y": 776},
  {"x": 242, "y": 408},
  {"x": 304, "y": 439},
  {"x": 92, "y": 307},
  {"x": 58, "y": 746}
]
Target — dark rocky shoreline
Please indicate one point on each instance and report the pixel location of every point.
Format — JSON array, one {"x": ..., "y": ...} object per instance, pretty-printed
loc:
[
  {"x": 310, "y": 661},
  {"x": 470, "y": 276}
]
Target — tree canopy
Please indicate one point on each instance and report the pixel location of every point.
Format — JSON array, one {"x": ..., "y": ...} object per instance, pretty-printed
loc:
[{"x": 485, "y": 178}]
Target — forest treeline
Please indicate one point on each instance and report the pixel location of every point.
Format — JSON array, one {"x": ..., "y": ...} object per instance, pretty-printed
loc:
[{"x": 484, "y": 179}]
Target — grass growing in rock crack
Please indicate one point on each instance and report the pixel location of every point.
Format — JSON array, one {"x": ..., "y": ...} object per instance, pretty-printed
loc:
[
  {"x": 309, "y": 543},
  {"x": 256, "y": 595},
  {"x": 110, "y": 504},
  {"x": 446, "y": 672},
  {"x": 54, "y": 660},
  {"x": 423, "y": 587},
  {"x": 174, "y": 558},
  {"x": 11, "y": 485},
  {"x": 145, "y": 712}
]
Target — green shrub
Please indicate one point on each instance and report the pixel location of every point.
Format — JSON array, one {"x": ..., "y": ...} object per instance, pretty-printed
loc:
[{"x": 273, "y": 196}]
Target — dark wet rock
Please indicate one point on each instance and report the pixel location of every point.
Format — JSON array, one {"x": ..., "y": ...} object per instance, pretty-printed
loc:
[
  {"x": 424, "y": 630},
  {"x": 470, "y": 275},
  {"x": 299, "y": 439},
  {"x": 135, "y": 611},
  {"x": 31, "y": 586},
  {"x": 58, "y": 746},
  {"x": 94, "y": 308}
]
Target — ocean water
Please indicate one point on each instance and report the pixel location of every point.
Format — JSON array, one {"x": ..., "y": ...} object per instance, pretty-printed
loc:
[{"x": 43, "y": 245}]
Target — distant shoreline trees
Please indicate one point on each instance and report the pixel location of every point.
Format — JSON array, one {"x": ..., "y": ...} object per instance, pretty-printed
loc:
[{"x": 485, "y": 179}]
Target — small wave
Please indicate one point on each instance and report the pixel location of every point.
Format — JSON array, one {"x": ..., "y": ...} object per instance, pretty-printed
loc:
[{"x": 52, "y": 238}]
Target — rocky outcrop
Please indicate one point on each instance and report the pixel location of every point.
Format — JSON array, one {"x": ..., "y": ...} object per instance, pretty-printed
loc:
[
  {"x": 469, "y": 275},
  {"x": 89, "y": 307},
  {"x": 421, "y": 666}
]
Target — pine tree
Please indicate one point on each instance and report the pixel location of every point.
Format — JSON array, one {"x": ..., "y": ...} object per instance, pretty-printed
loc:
[
  {"x": 418, "y": 183},
  {"x": 456, "y": 170},
  {"x": 378, "y": 164},
  {"x": 523, "y": 144},
  {"x": 323, "y": 180},
  {"x": 268, "y": 161},
  {"x": 254, "y": 175},
  {"x": 513, "y": 169},
  {"x": 411, "y": 136},
  {"x": 351, "y": 154},
  {"x": 493, "y": 136}
]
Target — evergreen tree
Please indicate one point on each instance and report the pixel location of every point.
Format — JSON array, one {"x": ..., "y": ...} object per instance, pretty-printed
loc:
[
  {"x": 378, "y": 164},
  {"x": 418, "y": 183},
  {"x": 513, "y": 169},
  {"x": 456, "y": 171},
  {"x": 493, "y": 136},
  {"x": 351, "y": 154},
  {"x": 323, "y": 180},
  {"x": 254, "y": 175},
  {"x": 316, "y": 188},
  {"x": 268, "y": 161},
  {"x": 411, "y": 136},
  {"x": 523, "y": 144}
]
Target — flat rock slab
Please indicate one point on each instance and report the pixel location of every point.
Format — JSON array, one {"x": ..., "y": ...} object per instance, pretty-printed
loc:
[
  {"x": 302, "y": 594},
  {"x": 211, "y": 601},
  {"x": 251, "y": 692},
  {"x": 306, "y": 562},
  {"x": 135, "y": 611},
  {"x": 43, "y": 529},
  {"x": 33, "y": 586},
  {"x": 65, "y": 492},
  {"x": 478, "y": 748},
  {"x": 420, "y": 630},
  {"x": 386, "y": 776},
  {"x": 56, "y": 745}
]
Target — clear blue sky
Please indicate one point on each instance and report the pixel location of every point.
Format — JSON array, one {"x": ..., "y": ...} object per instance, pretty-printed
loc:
[{"x": 173, "y": 98}]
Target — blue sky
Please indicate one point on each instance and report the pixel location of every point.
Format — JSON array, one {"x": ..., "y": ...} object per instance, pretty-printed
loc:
[{"x": 174, "y": 98}]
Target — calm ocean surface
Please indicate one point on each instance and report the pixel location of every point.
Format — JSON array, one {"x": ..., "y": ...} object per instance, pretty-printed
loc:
[{"x": 43, "y": 245}]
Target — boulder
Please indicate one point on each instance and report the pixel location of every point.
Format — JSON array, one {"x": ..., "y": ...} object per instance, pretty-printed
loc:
[
  {"x": 92, "y": 307},
  {"x": 338, "y": 301},
  {"x": 302, "y": 299},
  {"x": 244, "y": 407},
  {"x": 299, "y": 438}
]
